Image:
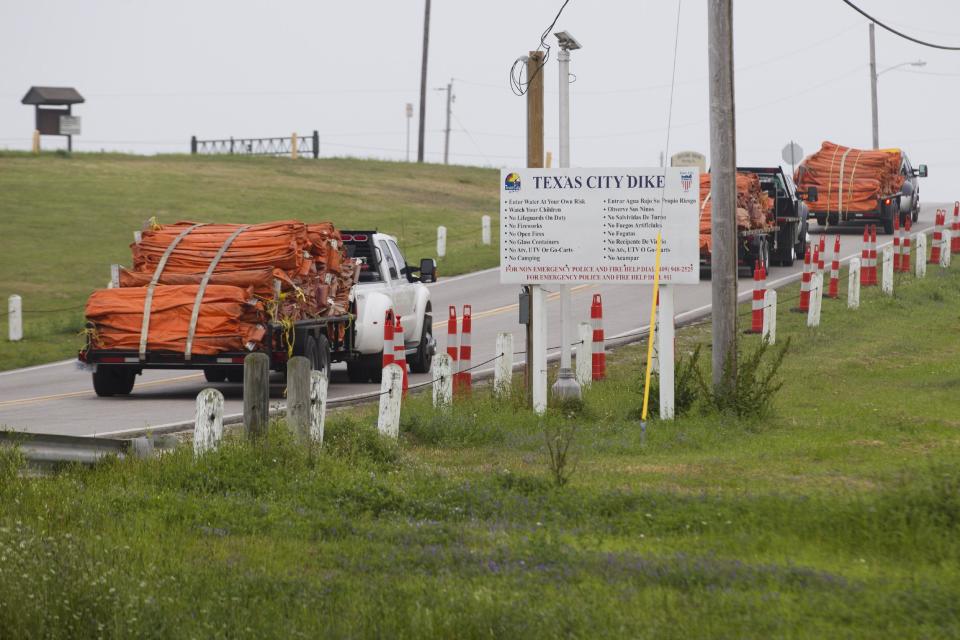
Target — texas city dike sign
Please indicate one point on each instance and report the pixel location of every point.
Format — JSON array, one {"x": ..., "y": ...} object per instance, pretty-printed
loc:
[{"x": 599, "y": 225}]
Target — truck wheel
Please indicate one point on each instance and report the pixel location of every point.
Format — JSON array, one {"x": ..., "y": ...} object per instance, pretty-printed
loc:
[
  {"x": 113, "y": 381},
  {"x": 235, "y": 374},
  {"x": 822, "y": 221},
  {"x": 215, "y": 374},
  {"x": 916, "y": 211},
  {"x": 368, "y": 368},
  {"x": 888, "y": 221},
  {"x": 421, "y": 361},
  {"x": 801, "y": 246}
]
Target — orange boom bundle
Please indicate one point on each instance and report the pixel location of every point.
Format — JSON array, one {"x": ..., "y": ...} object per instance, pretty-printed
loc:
[
  {"x": 221, "y": 284},
  {"x": 849, "y": 179},
  {"x": 754, "y": 206}
]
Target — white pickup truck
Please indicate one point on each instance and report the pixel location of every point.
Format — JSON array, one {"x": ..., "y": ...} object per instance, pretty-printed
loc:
[{"x": 388, "y": 282}]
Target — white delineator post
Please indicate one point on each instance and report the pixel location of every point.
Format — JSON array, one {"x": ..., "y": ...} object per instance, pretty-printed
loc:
[
  {"x": 538, "y": 317},
  {"x": 442, "y": 380},
  {"x": 485, "y": 229},
  {"x": 319, "y": 385},
  {"x": 665, "y": 351},
  {"x": 770, "y": 316},
  {"x": 15, "y": 318},
  {"x": 853, "y": 285},
  {"x": 441, "y": 241},
  {"x": 584, "y": 361},
  {"x": 114, "y": 276},
  {"x": 816, "y": 298},
  {"x": 945, "y": 248},
  {"x": 920, "y": 264},
  {"x": 208, "y": 424},
  {"x": 391, "y": 390},
  {"x": 503, "y": 366},
  {"x": 886, "y": 284}
]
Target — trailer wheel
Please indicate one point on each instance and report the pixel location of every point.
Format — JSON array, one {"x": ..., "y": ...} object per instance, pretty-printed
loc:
[
  {"x": 234, "y": 375},
  {"x": 368, "y": 368},
  {"x": 113, "y": 381},
  {"x": 887, "y": 220},
  {"x": 318, "y": 350},
  {"x": 215, "y": 374}
]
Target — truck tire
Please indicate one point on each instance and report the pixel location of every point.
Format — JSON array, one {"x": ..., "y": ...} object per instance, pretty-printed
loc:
[
  {"x": 801, "y": 246},
  {"x": 235, "y": 374},
  {"x": 422, "y": 360},
  {"x": 113, "y": 381},
  {"x": 215, "y": 374},
  {"x": 822, "y": 220},
  {"x": 887, "y": 219},
  {"x": 784, "y": 253},
  {"x": 368, "y": 368}
]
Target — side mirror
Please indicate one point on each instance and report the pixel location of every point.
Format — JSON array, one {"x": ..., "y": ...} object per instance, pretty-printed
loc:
[
  {"x": 428, "y": 270},
  {"x": 922, "y": 172},
  {"x": 812, "y": 194}
]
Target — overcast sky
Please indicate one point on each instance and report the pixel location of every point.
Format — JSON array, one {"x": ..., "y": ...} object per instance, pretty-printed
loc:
[{"x": 155, "y": 73}]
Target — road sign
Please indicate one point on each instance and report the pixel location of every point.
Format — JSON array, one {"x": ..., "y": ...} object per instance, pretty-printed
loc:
[
  {"x": 689, "y": 159},
  {"x": 69, "y": 125},
  {"x": 599, "y": 225},
  {"x": 792, "y": 153}
]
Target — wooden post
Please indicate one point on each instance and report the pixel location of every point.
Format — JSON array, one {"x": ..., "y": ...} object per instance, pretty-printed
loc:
[
  {"x": 293, "y": 146},
  {"x": 886, "y": 284},
  {"x": 442, "y": 380},
  {"x": 319, "y": 386},
  {"x": 36, "y": 141},
  {"x": 945, "y": 249},
  {"x": 208, "y": 424},
  {"x": 816, "y": 297},
  {"x": 536, "y": 374},
  {"x": 391, "y": 389},
  {"x": 441, "y": 241},
  {"x": 584, "y": 355},
  {"x": 14, "y": 318},
  {"x": 665, "y": 351},
  {"x": 256, "y": 395},
  {"x": 921, "y": 262},
  {"x": 770, "y": 316},
  {"x": 298, "y": 397},
  {"x": 485, "y": 229},
  {"x": 723, "y": 192},
  {"x": 853, "y": 284},
  {"x": 503, "y": 367}
]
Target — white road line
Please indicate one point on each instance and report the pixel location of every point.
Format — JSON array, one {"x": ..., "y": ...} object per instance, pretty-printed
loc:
[{"x": 37, "y": 366}]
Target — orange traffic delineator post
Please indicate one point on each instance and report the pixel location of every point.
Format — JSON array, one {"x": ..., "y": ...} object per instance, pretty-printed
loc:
[
  {"x": 463, "y": 380},
  {"x": 834, "y": 290},
  {"x": 759, "y": 291},
  {"x": 905, "y": 248},
  {"x": 599, "y": 353},
  {"x": 388, "y": 348},
  {"x": 805, "y": 284},
  {"x": 897, "y": 243},
  {"x": 955, "y": 236},
  {"x": 873, "y": 256},
  {"x": 452, "y": 350},
  {"x": 400, "y": 352},
  {"x": 937, "y": 240},
  {"x": 865, "y": 257}
]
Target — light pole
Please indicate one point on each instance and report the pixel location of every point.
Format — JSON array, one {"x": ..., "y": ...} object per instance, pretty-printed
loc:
[
  {"x": 566, "y": 387},
  {"x": 874, "y": 74}
]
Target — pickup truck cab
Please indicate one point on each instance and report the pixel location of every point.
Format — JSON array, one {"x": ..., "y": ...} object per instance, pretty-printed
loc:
[
  {"x": 910, "y": 191},
  {"x": 387, "y": 282}
]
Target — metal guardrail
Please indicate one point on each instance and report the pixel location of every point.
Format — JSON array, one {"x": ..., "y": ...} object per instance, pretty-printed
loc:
[
  {"x": 307, "y": 146},
  {"x": 46, "y": 451}
]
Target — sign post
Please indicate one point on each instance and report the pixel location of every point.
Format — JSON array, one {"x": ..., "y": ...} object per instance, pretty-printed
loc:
[{"x": 599, "y": 226}]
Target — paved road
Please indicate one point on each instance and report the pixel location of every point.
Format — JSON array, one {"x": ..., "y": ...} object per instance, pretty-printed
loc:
[{"x": 58, "y": 397}]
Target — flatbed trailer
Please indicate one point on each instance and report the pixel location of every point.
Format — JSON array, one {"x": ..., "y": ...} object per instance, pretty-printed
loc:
[
  {"x": 322, "y": 340},
  {"x": 888, "y": 206}
]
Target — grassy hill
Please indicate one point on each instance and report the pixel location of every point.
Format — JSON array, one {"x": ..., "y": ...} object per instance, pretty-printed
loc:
[{"x": 66, "y": 219}]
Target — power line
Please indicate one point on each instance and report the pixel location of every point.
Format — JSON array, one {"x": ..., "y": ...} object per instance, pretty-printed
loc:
[
  {"x": 518, "y": 86},
  {"x": 899, "y": 33}
]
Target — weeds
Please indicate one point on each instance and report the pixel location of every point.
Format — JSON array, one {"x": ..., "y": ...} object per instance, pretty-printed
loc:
[
  {"x": 754, "y": 387},
  {"x": 559, "y": 439}
]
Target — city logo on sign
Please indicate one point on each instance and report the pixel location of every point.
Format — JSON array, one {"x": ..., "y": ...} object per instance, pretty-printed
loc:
[
  {"x": 512, "y": 183},
  {"x": 686, "y": 180}
]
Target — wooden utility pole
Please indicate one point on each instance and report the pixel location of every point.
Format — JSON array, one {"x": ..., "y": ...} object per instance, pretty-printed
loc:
[
  {"x": 446, "y": 137},
  {"x": 535, "y": 161},
  {"x": 723, "y": 193},
  {"x": 873, "y": 89},
  {"x": 423, "y": 81}
]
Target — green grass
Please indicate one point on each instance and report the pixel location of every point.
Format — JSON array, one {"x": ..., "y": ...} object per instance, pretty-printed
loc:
[
  {"x": 836, "y": 515},
  {"x": 66, "y": 219}
]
